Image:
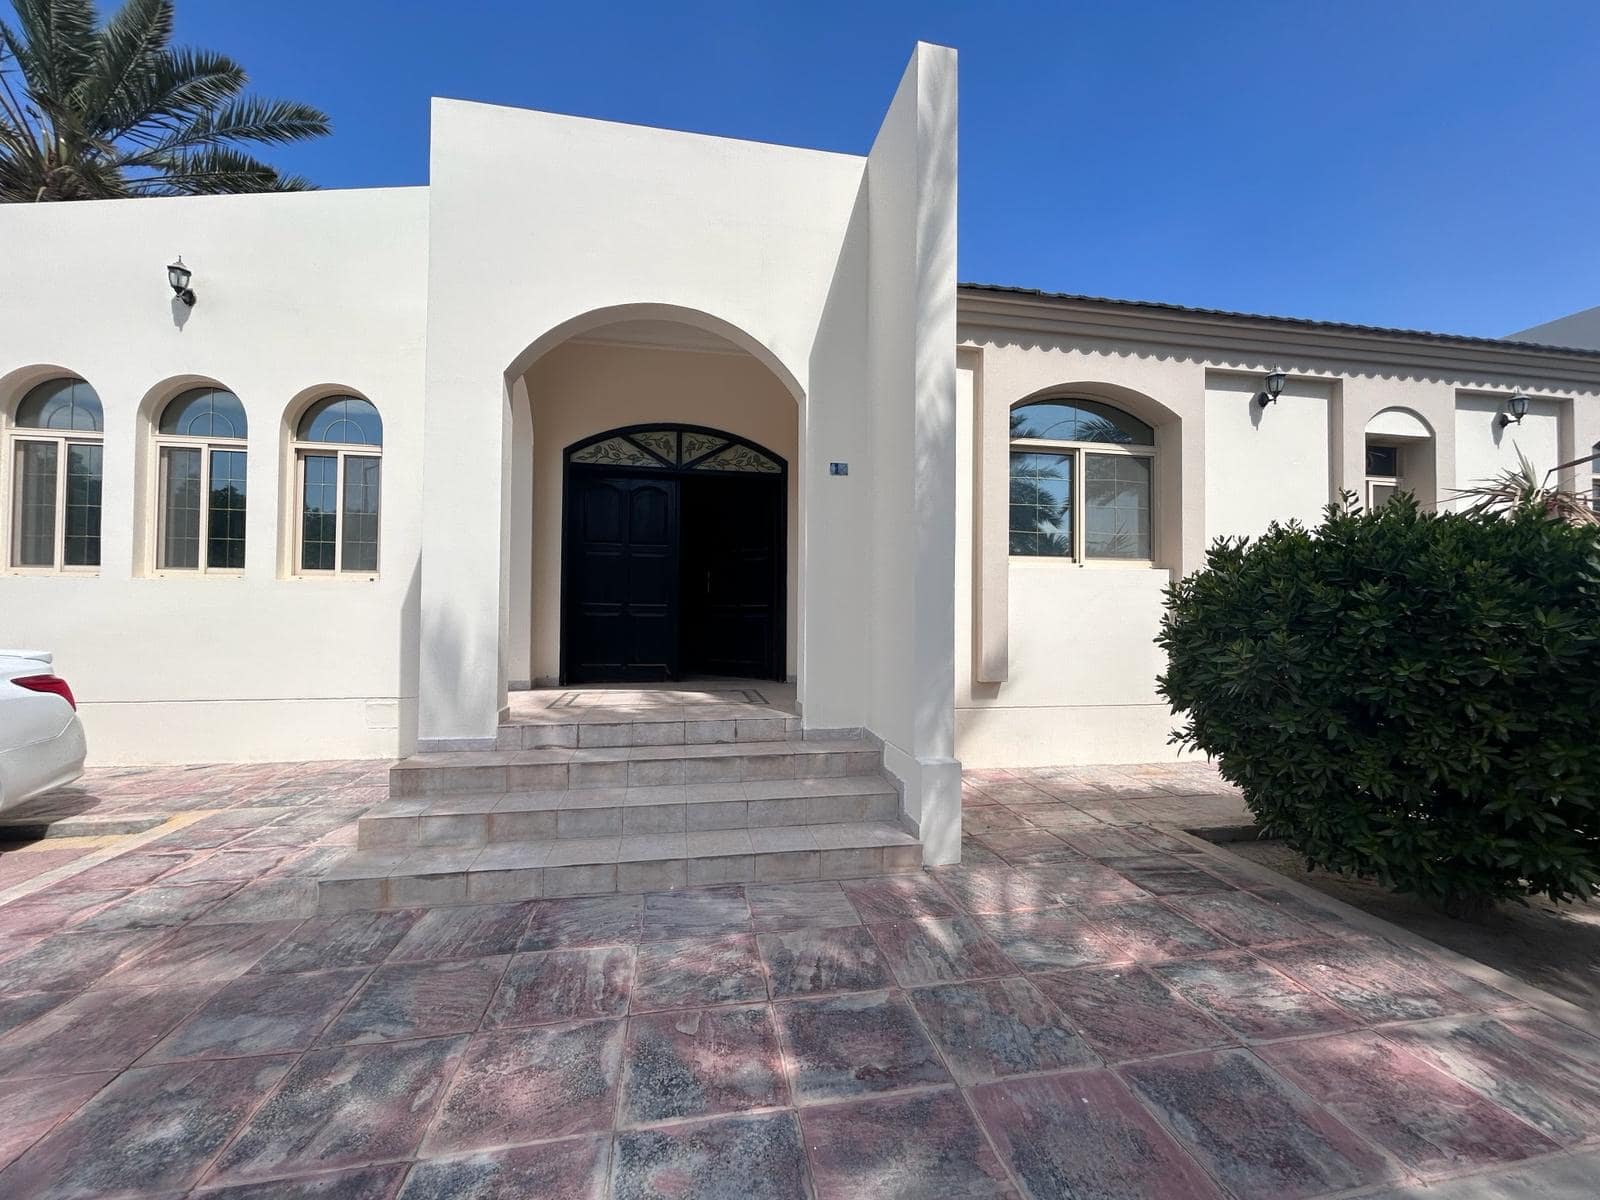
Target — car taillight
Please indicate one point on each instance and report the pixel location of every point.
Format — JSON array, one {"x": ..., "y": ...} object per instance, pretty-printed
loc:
[{"x": 53, "y": 684}]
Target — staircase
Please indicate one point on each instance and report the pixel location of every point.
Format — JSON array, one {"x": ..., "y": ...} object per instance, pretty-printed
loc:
[{"x": 594, "y": 800}]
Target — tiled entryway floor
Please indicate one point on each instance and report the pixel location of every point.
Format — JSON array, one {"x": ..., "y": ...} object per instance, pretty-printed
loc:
[{"x": 1090, "y": 1007}]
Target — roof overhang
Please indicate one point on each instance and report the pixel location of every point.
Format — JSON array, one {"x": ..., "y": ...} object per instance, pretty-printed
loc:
[{"x": 985, "y": 312}]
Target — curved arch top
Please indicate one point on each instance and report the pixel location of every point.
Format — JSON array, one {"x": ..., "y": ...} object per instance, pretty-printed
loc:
[
  {"x": 156, "y": 398},
  {"x": 599, "y": 318},
  {"x": 1400, "y": 423},
  {"x": 66, "y": 404},
  {"x": 209, "y": 412},
  {"x": 1078, "y": 419},
  {"x": 16, "y": 384},
  {"x": 673, "y": 446},
  {"x": 1136, "y": 404},
  {"x": 341, "y": 418}
]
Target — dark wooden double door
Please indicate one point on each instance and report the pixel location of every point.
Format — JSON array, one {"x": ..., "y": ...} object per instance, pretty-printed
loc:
[{"x": 666, "y": 577}]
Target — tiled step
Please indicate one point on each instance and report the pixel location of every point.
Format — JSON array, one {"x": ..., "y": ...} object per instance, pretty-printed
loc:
[
  {"x": 631, "y": 766},
  {"x": 526, "y": 870},
  {"x": 486, "y": 818},
  {"x": 621, "y": 729}
]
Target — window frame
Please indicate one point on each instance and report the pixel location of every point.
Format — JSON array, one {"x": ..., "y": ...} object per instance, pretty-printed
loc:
[
  {"x": 1373, "y": 482},
  {"x": 341, "y": 451},
  {"x": 176, "y": 441},
  {"x": 300, "y": 448},
  {"x": 15, "y": 434},
  {"x": 1079, "y": 451}
]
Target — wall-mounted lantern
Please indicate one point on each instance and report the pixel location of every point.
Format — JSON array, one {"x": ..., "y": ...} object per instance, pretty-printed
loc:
[
  {"x": 178, "y": 277},
  {"x": 1517, "y": 408},
  {"x": 1272, "y": 389}
]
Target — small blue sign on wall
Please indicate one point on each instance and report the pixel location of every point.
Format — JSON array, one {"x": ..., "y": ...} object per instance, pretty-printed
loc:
[{"x": 838, "y": 468}]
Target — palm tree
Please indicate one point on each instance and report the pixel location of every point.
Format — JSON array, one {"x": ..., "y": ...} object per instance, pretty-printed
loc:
[
  {"x": 1524, "y": 487},
  {"x": 92, "y": 111}
]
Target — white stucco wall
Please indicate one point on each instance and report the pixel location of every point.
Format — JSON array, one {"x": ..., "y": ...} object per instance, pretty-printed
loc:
[
  {"x": 1071, "y": 676},
  {"x": 1265, "y": 464},
  {"x": 297, "y": 295},
  {"x": 591, "y": 222},
  {"x": 775, "y": 249},
  {"x": 1484, "y": 449},
  {"x": 911, "y": 315},
  {"x": 1055, "y": 662}
]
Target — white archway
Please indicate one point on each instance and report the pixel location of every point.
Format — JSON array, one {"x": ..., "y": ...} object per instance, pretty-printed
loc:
[{"x": 609, "y": 368}]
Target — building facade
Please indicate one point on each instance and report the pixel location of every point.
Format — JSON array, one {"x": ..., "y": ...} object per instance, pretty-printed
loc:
[{"x": 603, "y": 402}]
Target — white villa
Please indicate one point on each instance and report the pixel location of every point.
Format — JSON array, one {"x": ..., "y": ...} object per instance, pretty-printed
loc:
[{"x": 604, "y": 403}]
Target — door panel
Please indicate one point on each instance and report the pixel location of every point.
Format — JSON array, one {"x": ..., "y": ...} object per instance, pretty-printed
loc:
[
  {"x": 621, "y": 578},
  {"x": 733, "y": 604}
]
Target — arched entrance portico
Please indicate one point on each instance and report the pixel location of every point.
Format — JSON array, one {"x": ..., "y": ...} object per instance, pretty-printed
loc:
[
  {"x": 673, "y": 556},
  {"x": 667, "y": 375}
]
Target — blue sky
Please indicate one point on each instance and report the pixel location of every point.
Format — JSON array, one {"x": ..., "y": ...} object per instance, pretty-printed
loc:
[{"x": 1430, "y": 164}]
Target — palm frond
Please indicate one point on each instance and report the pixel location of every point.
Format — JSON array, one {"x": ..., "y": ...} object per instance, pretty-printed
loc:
[
  {"x": 180, "y": 86},
  {"x": 1522, "y": 487},
  {"x": 92, "y": 109},
  {"x": 54, "y": 46},
  {"x": 249, "y": 119},
  {"x": 210, "y": 171},
  {"x": 130, "y": 46}
]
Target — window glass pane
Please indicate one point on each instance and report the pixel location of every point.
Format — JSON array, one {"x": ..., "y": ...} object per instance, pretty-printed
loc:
[
  {"x": 204, "y": 412},
  {"x": 659, "y": 441},
  {"x": 738, "y": 458},
  {"x": 33, "y": 505},
  {"x": 318, "y": 512},
  {"x": 1116, "y": 499},
  {"x": 346, "y": 419},
  {"x": 179, "y": 535},
  {"x": 82, "y": 542},
  {"x": 618, "y": 452},
  {"x": 225, "y": 517},
  {"x": 359, "y": 548},
  {"x": 1383, "y": 460},
  {"x": 1041, "y": 504},
  {"x": 1079, "y": 421},
  {"x": 66, "y": 404}
]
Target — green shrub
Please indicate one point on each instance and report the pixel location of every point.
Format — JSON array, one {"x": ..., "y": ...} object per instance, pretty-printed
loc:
[{"x": 1405, "y": 697}]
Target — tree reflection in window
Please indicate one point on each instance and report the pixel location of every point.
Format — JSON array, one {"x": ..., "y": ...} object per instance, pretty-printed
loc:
[
  {"x": 1069, "y": 500},
  {"x": 1041, "y": 504},
  {"x": 340, "y": 454}
]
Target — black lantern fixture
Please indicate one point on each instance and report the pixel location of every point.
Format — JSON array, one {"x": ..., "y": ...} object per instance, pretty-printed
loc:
[
  {"x": 1517, "y": 408},
  {"x": 1273, "y": 388},
  {"x": 178, "y": 276}
]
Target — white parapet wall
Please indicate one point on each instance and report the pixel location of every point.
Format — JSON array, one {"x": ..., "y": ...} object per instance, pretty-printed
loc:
[{"x": 297, "y": 296}]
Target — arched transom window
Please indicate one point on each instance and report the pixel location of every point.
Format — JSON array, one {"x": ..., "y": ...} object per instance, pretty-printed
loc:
[
  {"x": 1080, "y": 481},
  {"x": 56, "y": 448},
  {"x": 338, "y": 466},
  {"x": 200, "y": 482}
]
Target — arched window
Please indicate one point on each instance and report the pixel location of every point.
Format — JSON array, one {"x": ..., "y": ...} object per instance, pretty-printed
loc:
[
  {"x": 56, "y": 449},
  {"x": 1399, "y": 458},
  {"x": 200, "y": 481},
  {"x": 338, "y": 466},
  {"x": 1080, "y": 481}
]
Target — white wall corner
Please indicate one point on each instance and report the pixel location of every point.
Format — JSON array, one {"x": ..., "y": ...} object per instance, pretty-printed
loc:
[{"x": 911, "y": 177}]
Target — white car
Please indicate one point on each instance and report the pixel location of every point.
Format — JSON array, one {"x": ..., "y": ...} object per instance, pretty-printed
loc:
[{"x": 41, "y": 738}]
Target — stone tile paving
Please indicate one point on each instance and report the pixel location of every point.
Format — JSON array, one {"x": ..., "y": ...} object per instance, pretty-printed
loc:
[{"x": 1091, "y": 1006}]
